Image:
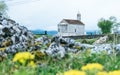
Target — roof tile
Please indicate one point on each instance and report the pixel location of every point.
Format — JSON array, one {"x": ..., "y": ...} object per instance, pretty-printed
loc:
[{"x": 70, "y": 21}]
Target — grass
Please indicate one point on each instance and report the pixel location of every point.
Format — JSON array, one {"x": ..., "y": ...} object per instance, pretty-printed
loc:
[
  {"x": 87, "y": 41},
  {"x": 50, "y": 66},
  {"x": 38, "y": 36}
]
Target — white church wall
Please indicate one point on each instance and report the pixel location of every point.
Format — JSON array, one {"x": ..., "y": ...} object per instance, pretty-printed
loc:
[
  {"x": 71, "y": 30},
  {"x": 76, "y": 29}
]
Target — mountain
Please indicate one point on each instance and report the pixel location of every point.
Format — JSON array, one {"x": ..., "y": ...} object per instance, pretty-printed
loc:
[{"x": 39, "y": 31}]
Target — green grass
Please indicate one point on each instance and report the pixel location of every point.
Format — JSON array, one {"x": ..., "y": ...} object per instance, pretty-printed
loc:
[
  {"x": 50, "y": 66},
  {"x": 37, "y": 36},
  {"x": 87, "y": 41}
]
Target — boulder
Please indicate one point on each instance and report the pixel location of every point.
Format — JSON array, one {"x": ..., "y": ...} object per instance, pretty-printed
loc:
[
  {"x": 43, "y": 40},
  {"x": 60, "y": 46},
  {"x": 14, "y": 37},
  {"x": 117, "y": 48},
  {"x": 56, "y": 50},
  {"x": 101, "y": 40},
  {"x": 108, "y": 48}
]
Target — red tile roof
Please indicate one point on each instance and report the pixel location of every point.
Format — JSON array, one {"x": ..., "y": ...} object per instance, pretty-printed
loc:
[{"x": 70, "y": 21}]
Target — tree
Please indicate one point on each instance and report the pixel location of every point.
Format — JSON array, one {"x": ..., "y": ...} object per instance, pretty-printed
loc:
[
  {"x": 116, "y": 24},
  {"x": 3, "y": 8},
  {"x": 106, "y": 25}
]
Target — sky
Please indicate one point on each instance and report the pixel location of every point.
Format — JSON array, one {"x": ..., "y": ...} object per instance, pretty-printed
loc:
[{"x": 46, "y": 14}]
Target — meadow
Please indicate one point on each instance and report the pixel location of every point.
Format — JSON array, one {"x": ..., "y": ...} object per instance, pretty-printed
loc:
[{"x": 72, "y": 64}]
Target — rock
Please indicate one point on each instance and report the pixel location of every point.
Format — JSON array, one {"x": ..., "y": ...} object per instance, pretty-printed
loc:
[
  {"x": 1, "y": 27},
  {"x": 4, "y": 22},
  {"x": 3, "y": 55},
  {"x": 60, "y": 47},
  {"x": 44, "y": 40},
  {"x": 6, "y": 43},
  {"x": 17, "y": 48},
  {"x": 59, "y": 40},
  {"x": 117, "y": 48},
  {"x": 101, "y": 40},
  {"x": 72, "y": 50},
  {"x": 56, "y": 50},
  {"x": 13, "y": 36},
  {"x": 70, "y": 42},
  {"x": 103, "y": 47},
  {"x": 86, "y": 46},
  {"x": 15, "y": 39}
]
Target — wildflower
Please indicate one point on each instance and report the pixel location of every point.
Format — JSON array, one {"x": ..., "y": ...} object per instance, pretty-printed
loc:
[
  {"x": 114, "y": 72},
  {"x": 74, "y": 72},
  {"x": 102, "y": 73},
  {"x": 32, "y": 64},
  {"x": 22, "y": 61},
  {"x": 93, "y": 66},
  {"x": 22, "y": 57}
]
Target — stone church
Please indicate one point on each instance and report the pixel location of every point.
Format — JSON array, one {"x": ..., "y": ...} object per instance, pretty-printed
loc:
[{"x": 71, "y": 27}]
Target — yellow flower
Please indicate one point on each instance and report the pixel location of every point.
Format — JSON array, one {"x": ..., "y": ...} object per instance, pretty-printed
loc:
[
  {"x": 22, "y": 61},
  {"x": 102, "y": 73},
  {"x": 93, "y": 66},
  {"x": 17, "y": 57},
  {"x": 74, "y": 72},
  {"x": 32, "y": 64},
  {"x": 32, "y": 56},
  {"x": 22, "y": 57},
  {"x": 114, "y": 72},
  {"x": 27, "y": 55}
]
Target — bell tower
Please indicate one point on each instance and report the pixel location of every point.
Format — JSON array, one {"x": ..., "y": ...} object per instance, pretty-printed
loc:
[{"x": 78, "y": 16}]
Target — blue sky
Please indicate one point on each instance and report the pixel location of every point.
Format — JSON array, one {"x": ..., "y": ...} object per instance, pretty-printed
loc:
[{"x": 46, "y": 14}]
